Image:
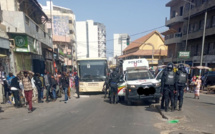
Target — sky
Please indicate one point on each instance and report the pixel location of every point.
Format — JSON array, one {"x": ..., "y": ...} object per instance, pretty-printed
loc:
[{"x": 134, "y": 17}]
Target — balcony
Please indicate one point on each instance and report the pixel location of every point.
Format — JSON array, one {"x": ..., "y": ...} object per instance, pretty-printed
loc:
[
  {"x": 174, "y": 38},
  {"x": 199, "y": 33},
  {"x": 176, "y": 19},
  {"x": 195, "y": 10},
  {"x": 18, "y": 23}
]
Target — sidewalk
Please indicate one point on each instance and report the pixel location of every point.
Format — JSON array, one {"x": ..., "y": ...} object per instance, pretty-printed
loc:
[
  {"x": 8, "y": 106},
  {"x": 197, "y": 116}
]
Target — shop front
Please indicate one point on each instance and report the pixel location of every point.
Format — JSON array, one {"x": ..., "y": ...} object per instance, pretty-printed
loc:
[{"x": 27, "y": 53}]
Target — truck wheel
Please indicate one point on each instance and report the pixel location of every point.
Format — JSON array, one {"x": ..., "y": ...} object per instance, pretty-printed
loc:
[{"x": 157, "y": 100}]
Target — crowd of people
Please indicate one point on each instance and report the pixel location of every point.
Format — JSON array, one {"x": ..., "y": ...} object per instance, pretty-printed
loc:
[{"x": 20, "y": 89}]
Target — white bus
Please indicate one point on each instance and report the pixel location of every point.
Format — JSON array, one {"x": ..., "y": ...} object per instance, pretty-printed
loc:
[{"x": 92, "y": 73}]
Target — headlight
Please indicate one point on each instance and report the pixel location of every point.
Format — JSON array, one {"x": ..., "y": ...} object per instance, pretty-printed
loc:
[
  {"x": 157, "y": 84},
  {"x": 131, "y": 86}
]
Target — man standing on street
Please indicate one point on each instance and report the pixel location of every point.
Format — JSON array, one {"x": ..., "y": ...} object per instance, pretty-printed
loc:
[
  {"x": 65, "y": 84},
  {"x": 38, "y": 84},
  {"x": 47, "y": 79},
  {"x": 114, "y": 79},
  {"x": 28, "y": 88},
  {"x": 14, "y": 87},
  {"x": 77, "y": 84},
  {"x": 181, "y": 80},
  {"x": 168, "y": 82}
]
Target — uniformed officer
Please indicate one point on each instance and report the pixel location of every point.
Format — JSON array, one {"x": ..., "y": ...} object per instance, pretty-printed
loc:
[
  {"x": 113, "y": 81},
  {"x": 181, "y": 80},
  {"x": 168, "y": 82},
  {"x": 106, "y": 86}
]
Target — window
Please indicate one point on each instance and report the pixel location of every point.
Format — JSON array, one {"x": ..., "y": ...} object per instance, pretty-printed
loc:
[
  {"x": 208, "y": 24},
  {"x": 44, "y": 34},
  {"x": 213, "y": 21},
  {"x": 197, "y": 49},
  {"x": 195, "y": 27},
  {"x": 181, "y": 10},
  {"x": 201, "y": 24},
  {"x": 26, "y": 20},
  {"x": 37, "y": 28},
  {"x": 71, "y": 31},
  {"x": 207, "y": 48},
  {"x": 173, "y": 14},
  {"x": 70, "y": 21},
  {"x": 179, "y": 29}
]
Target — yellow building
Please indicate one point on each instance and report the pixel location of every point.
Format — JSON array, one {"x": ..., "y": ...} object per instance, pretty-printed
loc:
[{"x": 150, "y": 46}]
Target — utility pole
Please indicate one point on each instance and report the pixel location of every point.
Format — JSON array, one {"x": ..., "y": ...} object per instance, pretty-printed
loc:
[{"x": 203, "y": 41}]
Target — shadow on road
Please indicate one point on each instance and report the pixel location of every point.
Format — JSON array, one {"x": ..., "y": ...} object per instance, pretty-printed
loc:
[
  {"x": 208, "y": 103},
  {"x": 92, "y": 93}
]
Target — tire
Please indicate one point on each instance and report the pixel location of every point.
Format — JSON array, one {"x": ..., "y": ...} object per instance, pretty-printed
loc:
[{"x": 157, "y": 100}]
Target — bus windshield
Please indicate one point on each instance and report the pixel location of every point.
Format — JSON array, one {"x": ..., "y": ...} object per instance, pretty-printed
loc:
[{"x": 92, "y": 70}]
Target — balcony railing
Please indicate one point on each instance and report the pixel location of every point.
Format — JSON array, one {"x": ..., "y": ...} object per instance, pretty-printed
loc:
[
  {"x": 18, "y": 22},
  {"x": 200, "y": 8},
  {"x": 173, "y": 38},
  {"x": 173, "y": 20}
]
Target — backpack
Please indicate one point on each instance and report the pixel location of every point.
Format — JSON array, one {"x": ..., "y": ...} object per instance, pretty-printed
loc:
[
  {"x": 38, "y": 82},
  {"x": 182, "y": 78},
  {"x": 170, "y": 78}
]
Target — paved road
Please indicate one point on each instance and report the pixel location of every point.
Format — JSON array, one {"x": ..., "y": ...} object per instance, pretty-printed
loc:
[
  {"x": 93, "y": 115},
  {"x": 88, "y": 115}
]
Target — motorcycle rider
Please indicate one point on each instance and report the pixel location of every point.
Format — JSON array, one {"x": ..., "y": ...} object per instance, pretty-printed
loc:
[
  {"x": 181, "y": 80},
  {"x": 167, "y": 83},
  {"x": 113, "y": 81}
]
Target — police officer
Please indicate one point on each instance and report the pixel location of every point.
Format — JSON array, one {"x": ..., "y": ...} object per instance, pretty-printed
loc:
[
  {"x": 181, "y": 80},
  {"x": 114, "y": 79},
  {"x": 106, "y": 86},
  {"x": 168, "y": 82}
]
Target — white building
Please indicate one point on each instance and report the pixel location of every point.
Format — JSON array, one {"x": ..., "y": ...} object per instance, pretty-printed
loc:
[
  {"x": 120, "y": 43},
  {"x": 91, "y": 39}
]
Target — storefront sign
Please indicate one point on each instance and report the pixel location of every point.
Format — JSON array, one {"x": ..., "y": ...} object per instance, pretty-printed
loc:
[
  {"x": 184, "y": 54},
  {"x": 26, "y": 43}
]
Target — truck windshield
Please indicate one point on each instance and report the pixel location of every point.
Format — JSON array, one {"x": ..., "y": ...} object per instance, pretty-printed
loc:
[
  {"x": 92, "y": 70},
  {"x": 139, "y": 74}
]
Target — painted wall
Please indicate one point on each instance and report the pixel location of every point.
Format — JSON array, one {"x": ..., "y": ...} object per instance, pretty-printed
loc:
[{"x": 156, "y": 41}]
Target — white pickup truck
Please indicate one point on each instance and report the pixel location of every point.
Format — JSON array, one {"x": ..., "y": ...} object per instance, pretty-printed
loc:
[{"x": 139, "y": 83}]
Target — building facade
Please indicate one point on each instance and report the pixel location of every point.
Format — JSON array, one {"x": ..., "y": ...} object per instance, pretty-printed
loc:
[
  {"x": 186, "y": 27},
  {"x": 91, "y": 39},
  {"x": 150, "y": 46},
  {"x": 62, "y": 28},
  {"x": 121, "y": 41},
  {"x": 30, "y": 45}
]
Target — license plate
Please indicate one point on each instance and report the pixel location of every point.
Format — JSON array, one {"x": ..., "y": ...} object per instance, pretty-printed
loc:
[{"x": 93, "y": 84}]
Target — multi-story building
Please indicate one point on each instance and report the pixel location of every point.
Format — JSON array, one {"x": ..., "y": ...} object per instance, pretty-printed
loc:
[
  {"x": 91, "y": 39},
  {"x": 186, "y": 27},
  {"x": 121, "y": 41},
  {"x": 31, "y": 46},
  {"x": 64, "y": 35}
]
